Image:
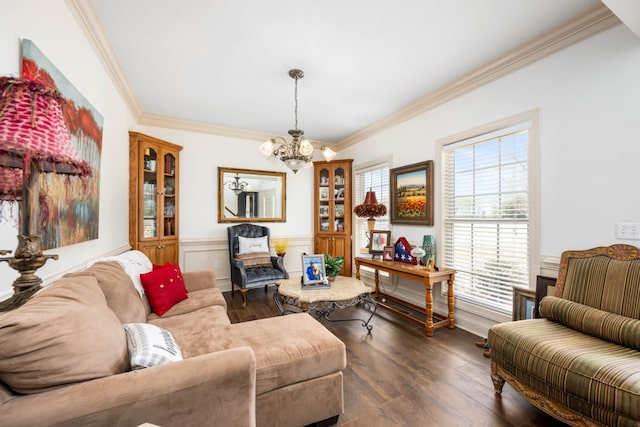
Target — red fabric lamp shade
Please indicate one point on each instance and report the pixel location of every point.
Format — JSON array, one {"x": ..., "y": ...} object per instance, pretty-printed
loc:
[
  {"x": 370, "y": 208},
  {"x": 370, "y": 198},
  {"x": 32, "y": 128}
]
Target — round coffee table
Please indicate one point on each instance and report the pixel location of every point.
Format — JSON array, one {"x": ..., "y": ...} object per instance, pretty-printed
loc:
[{"x": 344, "y": 292}]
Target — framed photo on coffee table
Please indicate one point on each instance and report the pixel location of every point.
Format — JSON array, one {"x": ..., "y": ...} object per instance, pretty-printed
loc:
[{"x": 313, "y": 269}]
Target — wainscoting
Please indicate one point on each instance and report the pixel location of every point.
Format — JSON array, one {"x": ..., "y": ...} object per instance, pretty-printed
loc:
[{"x": 213, "y": 254}]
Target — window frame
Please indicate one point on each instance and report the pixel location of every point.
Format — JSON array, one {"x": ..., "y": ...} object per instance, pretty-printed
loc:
[
  {"x": 529, "y": 120},
  {"x": 382, "y": 223}
]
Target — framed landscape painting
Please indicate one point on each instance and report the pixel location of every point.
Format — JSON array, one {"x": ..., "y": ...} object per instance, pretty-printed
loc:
[{"x": 412, "y": 194}]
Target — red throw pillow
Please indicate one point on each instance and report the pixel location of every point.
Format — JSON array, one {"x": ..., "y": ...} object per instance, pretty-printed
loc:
[{"x": 164, "y": 287}]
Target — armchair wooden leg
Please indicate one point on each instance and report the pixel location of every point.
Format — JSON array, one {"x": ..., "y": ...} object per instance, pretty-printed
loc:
[
  {"x": 266, "y": 288},
  {"x": 243, "y": 292},
  {"x": 232, "y": 293}
]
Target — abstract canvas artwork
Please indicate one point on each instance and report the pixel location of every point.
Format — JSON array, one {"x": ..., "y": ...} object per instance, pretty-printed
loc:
[{"x": 69, "y": 205}]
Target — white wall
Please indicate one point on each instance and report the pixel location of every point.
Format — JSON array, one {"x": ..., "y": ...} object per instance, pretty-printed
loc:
[
  {"x": 200, "y": 158},
  {"x": 203, "y": 241},
  {"x": 50, "y": 25},
  {"x": 587, "y": 96}
]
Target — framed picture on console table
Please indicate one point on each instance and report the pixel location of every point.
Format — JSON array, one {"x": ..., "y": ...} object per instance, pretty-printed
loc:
[
  {"x": 379, "y": 239},
  {"x": 412, "y": 194}
]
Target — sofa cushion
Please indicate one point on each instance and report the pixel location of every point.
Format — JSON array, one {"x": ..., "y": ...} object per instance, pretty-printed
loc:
[
  {"x": 65, "y": 334},
  {"x": 150, "y": 346},
  {"x": 164, "y": 287},
  {"x": 598, "y": 323},
  {"x": 584, "y": 373},
  {"x": 185, "y": 327},
  {"x": 256, "y": 260},
  {"x": 196, "y": 301},
  {"x": 289, "y": 349},
  {"x": 122, "y": 297},
  {"x": 604, "y": 283}
]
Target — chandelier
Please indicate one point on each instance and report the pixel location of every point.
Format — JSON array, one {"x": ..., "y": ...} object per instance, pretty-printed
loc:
[
  {"x": 236, "y": 186},
  {"x": 298, "y": 153}
]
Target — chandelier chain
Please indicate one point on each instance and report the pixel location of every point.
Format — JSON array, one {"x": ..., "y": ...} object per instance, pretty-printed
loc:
[{"x": 295, "y": 96}]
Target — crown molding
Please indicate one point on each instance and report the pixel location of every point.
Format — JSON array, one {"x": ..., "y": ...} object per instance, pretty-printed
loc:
[
  {"x": 85, "y": 14},
  {"x": 594, "y": 21},
  {"x": 200, "y": 127},
  {"x": 194, "y": 126}
]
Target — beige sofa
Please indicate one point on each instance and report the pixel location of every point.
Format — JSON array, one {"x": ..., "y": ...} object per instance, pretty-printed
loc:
[
  {"x": 64, "y": 360},
  {"x": 581, "y": 362}
]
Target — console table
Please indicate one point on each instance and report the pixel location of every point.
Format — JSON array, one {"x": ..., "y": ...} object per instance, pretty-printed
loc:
[{"x": 419, "y": 273}]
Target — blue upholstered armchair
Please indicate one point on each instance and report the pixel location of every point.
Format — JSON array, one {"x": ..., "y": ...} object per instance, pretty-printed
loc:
[{"x": 251, "y": 268}]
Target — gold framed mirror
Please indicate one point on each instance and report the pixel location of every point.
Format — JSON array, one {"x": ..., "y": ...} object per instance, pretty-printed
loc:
[{"x": 247, "y": 195}]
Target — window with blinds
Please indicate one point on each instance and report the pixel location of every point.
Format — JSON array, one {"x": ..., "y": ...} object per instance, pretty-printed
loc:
[
  {"x": 375, "y": 178},
  {"x": 486, "y": 216}
]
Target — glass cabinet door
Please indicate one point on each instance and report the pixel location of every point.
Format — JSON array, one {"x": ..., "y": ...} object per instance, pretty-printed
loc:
[
  {"x": 324, "y": 205},
  {"x": 150, "y": 193},
  {"x": 338, "y": 207},
  {"x": 169, "y": 195}
]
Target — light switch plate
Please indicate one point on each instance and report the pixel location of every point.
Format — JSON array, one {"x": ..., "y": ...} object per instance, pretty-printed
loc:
[{"x": 628, "y": 230}]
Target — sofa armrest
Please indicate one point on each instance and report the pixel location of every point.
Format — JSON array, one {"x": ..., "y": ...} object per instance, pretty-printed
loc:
[
  {"x": 218, "y": 386},
  {"x": 198, "y": 280}
]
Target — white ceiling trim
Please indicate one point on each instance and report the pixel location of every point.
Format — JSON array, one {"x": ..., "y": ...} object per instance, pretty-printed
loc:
[{"x": 592, "y": 22}]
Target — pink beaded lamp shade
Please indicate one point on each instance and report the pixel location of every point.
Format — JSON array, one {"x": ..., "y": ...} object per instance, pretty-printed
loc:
[
  {"x": 33, "y": 139},
  {"x": 32, "y": 128}
]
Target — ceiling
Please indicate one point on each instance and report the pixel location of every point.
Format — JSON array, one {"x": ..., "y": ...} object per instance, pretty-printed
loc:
[{"x": 222, "y": 65}]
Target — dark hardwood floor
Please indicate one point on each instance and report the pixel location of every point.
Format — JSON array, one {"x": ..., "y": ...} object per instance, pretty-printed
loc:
[{"x": 396, "y": 376}]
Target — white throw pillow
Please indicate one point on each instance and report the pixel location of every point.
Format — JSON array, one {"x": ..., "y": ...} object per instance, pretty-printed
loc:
[
  {"x": 150, "y": 345},
  {"x": 248, "y": 245}
]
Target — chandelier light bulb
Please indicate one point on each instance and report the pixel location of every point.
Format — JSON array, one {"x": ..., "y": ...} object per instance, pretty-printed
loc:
[
  {"x": 306, "y": 148},
  {"x": 267, "y": 147},
  {"x": 328, "y": 153}
]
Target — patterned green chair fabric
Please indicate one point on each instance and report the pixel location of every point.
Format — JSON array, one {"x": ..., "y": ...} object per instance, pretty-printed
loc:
[
  {"x": 581, "y": 362},
  {"x": 604, "y": 283}
]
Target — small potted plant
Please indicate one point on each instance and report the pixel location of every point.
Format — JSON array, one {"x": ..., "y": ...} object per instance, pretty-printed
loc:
[
  {"x": 332, "y": 265},
  {"x": 281, "y": 246}
]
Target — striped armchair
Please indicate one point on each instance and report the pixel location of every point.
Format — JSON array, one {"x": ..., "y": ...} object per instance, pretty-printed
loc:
[{"x": 581, "y": 362}]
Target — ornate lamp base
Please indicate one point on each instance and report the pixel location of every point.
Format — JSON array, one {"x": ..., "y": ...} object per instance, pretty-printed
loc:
[{"x": 27, "y": 260}]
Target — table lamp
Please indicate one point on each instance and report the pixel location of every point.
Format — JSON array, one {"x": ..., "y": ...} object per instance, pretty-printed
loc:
[
  {"x": 370, "y": 208},
  {"x": 34, "y": 139}
]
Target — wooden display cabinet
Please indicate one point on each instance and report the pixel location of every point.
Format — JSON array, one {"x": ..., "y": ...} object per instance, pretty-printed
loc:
[
  {"x": 332, "y": 216},
  {"x": 153, "y": 197}
]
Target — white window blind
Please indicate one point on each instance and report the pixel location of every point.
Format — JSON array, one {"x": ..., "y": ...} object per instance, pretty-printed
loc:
[
  {"x": 374, "y": 178},
  {"x": 486, "y": 221}
]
